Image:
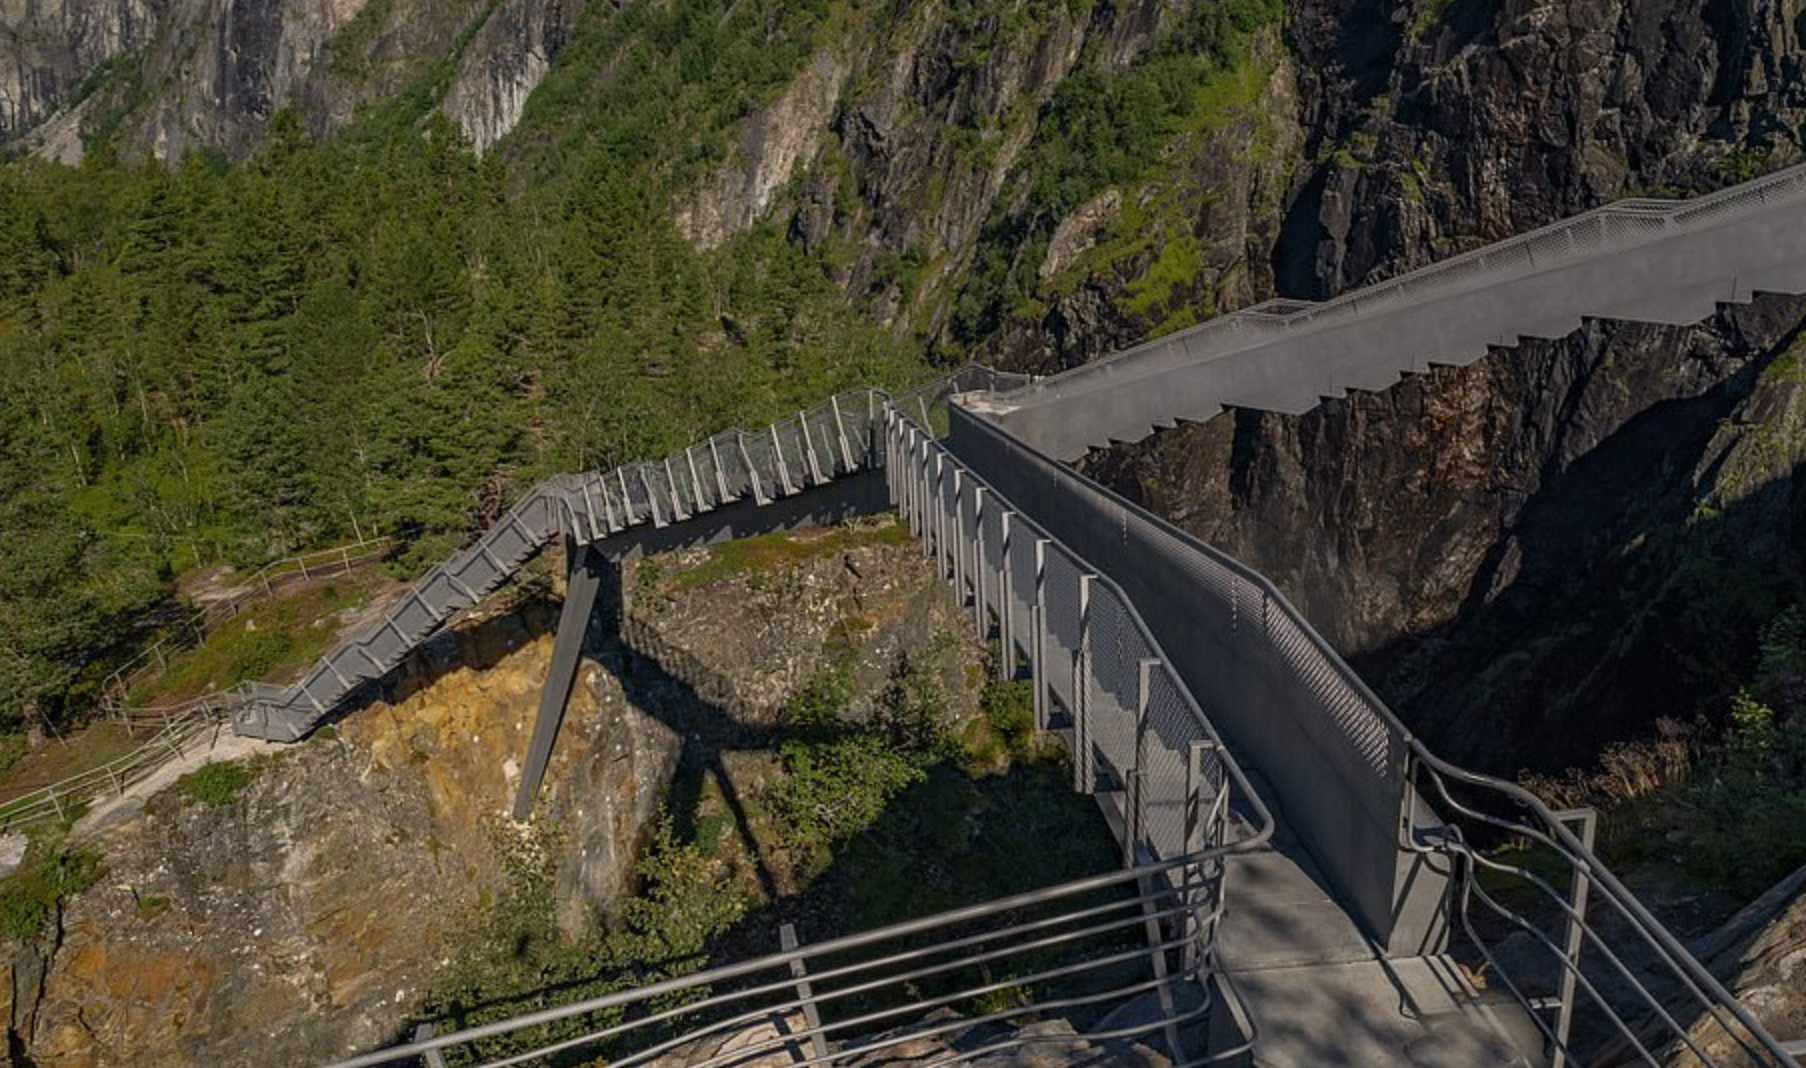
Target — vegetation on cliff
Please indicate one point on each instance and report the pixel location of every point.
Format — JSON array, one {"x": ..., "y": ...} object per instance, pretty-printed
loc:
[{"x": 233, "y": 362}]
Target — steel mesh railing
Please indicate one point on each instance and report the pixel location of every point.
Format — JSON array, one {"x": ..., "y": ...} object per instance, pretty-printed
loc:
[
  {"x": 1613, "y": 986},
  {"x": 1075, "y": 949},
  {"x": 1125, "y": 709},
  {"x": 1604, "y": 230},
  {"x": 800, "y": 451}
]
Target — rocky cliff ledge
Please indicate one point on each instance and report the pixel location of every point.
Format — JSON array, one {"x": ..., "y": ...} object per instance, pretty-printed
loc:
[{"x": 308, "y": 914}]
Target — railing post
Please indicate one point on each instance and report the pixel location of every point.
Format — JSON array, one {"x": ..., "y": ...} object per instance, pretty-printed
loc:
[
  {"x": 432, "y": 1058},
  {"x": 720, "y": 471},
  {"x": 702, "y": 499},
  {"x": 1144, "y": 683},
  {"x": 802, "y": 425},
  {"x": 840, "y": 432},
  {"x": 958, "y": 541},
  {"x": 345, "y": 555},
  {"x": 626, "y": 497},
  {"x": 658, "y": 517},
  {"x": 752, "y": 473},
  {"x": 1157, "y": 958},
  {"x": 1037, "y": 652},
  {"x": 940, "y": 514},
  {"x": 1203, "y": 816},
  {"x": 1583, "y": 821},
  {"x": 678, "y": 511},
  {"x": 979, "y": 562},
  {"x": 1084, "y": 774},
  {"x": 777, "y": 455},
  {"x": 920, "y": 447},
  {"x": 818, "y": 1042},
  {"x": 1006, "y": 597}
]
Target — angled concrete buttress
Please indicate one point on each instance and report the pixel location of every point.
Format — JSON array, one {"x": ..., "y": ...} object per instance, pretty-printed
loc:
[{"x": 588, "y": 570}]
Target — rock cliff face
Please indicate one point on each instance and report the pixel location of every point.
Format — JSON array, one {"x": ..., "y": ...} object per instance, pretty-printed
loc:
[
  {"x": 504, "y": 63},
  {"x": 1518, "y": 548},
  {"x": 164, "y": 78},
  {"x": 307, "y": 917},
  {"x": 1445, "y": 124},
  {"x": 1760, "y": 955},
  {"x": 48, "y": 48}
]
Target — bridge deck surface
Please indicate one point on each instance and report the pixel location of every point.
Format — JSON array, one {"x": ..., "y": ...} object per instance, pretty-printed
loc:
[{"x": 1323, "y": 995}]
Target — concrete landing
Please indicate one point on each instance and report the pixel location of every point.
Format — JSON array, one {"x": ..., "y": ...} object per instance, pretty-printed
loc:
[
  {"x": 1279, "y": 914},
  {"x": 1318, "y": 992},
  {"x": 1419, "y": 1012}
]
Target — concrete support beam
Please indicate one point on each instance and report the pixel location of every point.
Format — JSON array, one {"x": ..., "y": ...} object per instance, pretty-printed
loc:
[{"x": 586, "y": 571}]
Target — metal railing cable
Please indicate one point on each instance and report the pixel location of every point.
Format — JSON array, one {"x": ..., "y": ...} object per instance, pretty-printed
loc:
[{"x": 1058, "y": 950}]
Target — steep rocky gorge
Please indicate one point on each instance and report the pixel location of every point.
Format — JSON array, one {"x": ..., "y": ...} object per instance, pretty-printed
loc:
[
  {"x": 1567, "y": 540},
  {"x": 310, "y": 915},
  {"x": 1558, "y": 543},
  {"x": 1530, "y": 557}
]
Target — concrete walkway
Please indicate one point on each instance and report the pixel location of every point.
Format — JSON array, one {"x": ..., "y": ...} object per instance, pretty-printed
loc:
[
  {"x": 1321, "y": 994},
  {"x": 216, "y": 743}
]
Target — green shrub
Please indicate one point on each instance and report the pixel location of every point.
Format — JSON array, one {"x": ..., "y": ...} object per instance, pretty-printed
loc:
[
  {"x": 216, "y": 784},
  {"x": 685, "y": 902},
  {"x": 912, "y": 711},
  {"x": 1009, "y": 710},
  {"x": 818, "y": 708},
  {"x": 832, "y": 790},
  {"x": 51, "y": 873}
]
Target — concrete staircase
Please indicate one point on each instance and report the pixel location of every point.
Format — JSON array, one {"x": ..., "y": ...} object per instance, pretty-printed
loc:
[
  {"x": 809, "y": 449},
  {"x": 1640, "y": 261}
]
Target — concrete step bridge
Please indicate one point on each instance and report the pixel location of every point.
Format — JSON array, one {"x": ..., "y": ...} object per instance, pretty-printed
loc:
[{"x": 1303, "y": 882}]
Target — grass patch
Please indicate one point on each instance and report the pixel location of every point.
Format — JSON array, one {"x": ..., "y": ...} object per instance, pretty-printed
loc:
[
  {"x": 766, "y": 554},
  {"x": 53, "y": 871},
  {"x": 13, "y": 748},
  {"x": 1429, "y": 15},
  {"x": 87, "y": 749},
  {"x": 216, "y": 784},
  {"x": 1718, "y": 809},
  {"x": 288, "y": 632}
]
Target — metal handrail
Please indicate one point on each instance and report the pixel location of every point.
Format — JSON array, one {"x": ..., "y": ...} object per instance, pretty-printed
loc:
[
  {"x": 1553, "y": 833},
  {"x": 1412, "y": 754},
  {"x": 783, "y": 965},
  {"x": 56, "y": 800}
]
